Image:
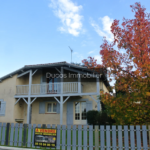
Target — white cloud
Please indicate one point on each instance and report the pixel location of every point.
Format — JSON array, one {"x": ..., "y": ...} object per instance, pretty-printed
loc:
[
  {"x": 68, "y": 12},
  {"x": 98, "y": 58},
  {"x": 90, "y": 52},
  {"x": 106, "y": 31},
  {"x": 79, "y": 56}
]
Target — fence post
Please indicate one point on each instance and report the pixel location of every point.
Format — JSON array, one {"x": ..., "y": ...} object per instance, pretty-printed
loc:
[
  {"x": 132, "y": 138},
  {"x": 25, "y": 135},
  {"x": 79, "y": 137},
  {"x": 3, "y": 134},
  {"x": 74, "y": 138},
  {"x": 11, "y": 134},
  {"x": 108, "y": 137},
  {"x": 29, "y": 135},
  {"x": 16, "y": 135},
  {"x": 34, "y": 126},
  {"x": 149, "y": 134},
  {"x": 114, "y": 137},
  {"x": 145, "y": 147},
  {"x": 96, "y": 138},
  {"x": 120, "y": 137},
  {"x": 63, "y": 137},
  {"x": 58, "y": 136},
  {"x": 126, "y": 143},
  {"x": 102, "y": 138},
  {"x": 68, "y": 137},
  {"x": 20, "y": 135},
  {"x": 7, "y": 133},
  {"x": 85, "y": 137},
  {"x": 138, "y": 137}
]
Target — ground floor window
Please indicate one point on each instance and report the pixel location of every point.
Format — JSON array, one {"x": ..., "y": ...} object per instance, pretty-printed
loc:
[
  {"x": 80, "y": 110},
  {"x": 51, "y": 107}
]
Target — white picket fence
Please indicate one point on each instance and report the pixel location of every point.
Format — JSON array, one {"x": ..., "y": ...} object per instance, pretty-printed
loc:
[{"x": 72, "y": 137}]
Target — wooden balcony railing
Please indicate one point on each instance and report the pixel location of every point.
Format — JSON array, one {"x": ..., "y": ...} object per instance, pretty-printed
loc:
[{"x": 51, "y": 88}]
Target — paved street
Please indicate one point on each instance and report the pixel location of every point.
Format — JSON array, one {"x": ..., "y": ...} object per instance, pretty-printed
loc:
[{"x": 14, "y": 148}]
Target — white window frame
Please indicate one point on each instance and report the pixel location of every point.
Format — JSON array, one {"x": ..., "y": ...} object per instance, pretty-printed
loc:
[{"x": 51, "y": 107}]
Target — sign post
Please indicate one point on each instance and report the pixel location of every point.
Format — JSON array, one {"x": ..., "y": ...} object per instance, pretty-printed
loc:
[{"x": 45, "y": 137}]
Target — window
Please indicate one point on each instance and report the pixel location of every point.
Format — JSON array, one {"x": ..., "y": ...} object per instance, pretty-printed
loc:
[
  {"x": 51, "y": 107},
  {"x": 0, "y": 106},
  {"x": 80, "y": 110}
]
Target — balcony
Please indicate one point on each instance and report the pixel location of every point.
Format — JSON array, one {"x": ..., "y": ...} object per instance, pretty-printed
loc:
[{"x": 51, "y": 88}]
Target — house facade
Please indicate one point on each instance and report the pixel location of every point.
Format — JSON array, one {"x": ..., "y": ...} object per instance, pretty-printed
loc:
[{"x": 54, "y": 93}]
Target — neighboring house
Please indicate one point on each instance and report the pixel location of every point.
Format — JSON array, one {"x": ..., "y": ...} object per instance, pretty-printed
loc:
[{"x": 28, "y": 95}]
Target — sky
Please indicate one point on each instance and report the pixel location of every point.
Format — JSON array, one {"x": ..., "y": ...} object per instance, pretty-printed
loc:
[{"x": 41, "y": 31}]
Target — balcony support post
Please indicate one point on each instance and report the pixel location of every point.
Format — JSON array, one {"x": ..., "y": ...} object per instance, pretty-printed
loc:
[
  {"x": 98, "y": 93},
  {"x": 61, "y": 97},
  {"x": 61, "y": 110},
  {"x": 79, "y": 83},
  {"x": 29, "y": 98}
]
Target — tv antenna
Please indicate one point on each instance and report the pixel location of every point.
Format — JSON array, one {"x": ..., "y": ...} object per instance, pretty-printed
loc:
[{"x": 71, "y": 53}]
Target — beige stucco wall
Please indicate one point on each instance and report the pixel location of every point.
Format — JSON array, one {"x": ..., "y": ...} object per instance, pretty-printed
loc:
[
  {"x": 47, "y": 118},
  {"x": 55, "y": 118},
  {"x": 19, "y": 111},
  {"x": 24, "y": 80},
  {"x": 7, "y": 92}
]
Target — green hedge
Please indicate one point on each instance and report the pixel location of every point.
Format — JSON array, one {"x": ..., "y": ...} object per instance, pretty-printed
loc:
[{"x": 95, "y": 117}]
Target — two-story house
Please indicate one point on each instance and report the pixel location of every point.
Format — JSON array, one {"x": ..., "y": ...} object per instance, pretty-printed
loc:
[{"x": 53, "y": 93}]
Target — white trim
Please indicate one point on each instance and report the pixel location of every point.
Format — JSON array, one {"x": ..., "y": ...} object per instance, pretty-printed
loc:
[
  {"x": 22, "y": 74},
  {"x": 17, "y": 101},
  {"x": 51, "y": 107},
  {"x": 66, "y": 99},
  {"x": 33, "y": 100},
  {"x": 34, "y": 72},
  {"x": 80, "y": 121},
  {"x": 25, "y": 101},
  {"x": 57, "y": 100},
  {"x": 58, "y": 70},
  {"x": 93, "y": 98},
  {"x": 55, "y": 95}
]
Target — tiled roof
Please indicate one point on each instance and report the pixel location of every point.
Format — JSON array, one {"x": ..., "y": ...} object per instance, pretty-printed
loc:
[
  {"x": 56, "y": 63},
  {"x": 47, "y": 64}
]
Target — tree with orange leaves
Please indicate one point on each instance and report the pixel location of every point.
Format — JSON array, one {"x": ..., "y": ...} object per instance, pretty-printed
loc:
[{"x": 128, "y": 60}]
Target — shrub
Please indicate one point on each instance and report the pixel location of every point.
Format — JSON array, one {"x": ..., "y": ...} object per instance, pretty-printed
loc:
[
  {"x": 95, "y": 117},
  {"x": 91, "y": 117},
  {"x": 103, "y": 119}
]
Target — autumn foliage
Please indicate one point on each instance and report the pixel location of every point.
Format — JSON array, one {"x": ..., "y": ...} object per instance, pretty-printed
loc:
[{"x": 128, "y": 61}]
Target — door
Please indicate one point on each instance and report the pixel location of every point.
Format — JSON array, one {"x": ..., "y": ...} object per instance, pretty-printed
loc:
[
  {"x": 52, "y": 85},
  {"x": 80, "y": 113}
]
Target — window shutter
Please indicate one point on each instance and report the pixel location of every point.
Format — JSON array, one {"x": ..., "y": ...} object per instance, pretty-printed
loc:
[
  {"x": 70, "y": 113},
  {"x": 58, "y": 108},
  {"x": 41, "y": 107},
  {"x": 3, "y": 108},
  {"x": 89, "y": 106}
]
